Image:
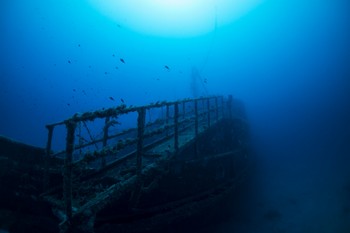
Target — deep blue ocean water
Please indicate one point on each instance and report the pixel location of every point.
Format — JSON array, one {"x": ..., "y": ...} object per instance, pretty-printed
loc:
[{"x": 288, "y": 61}]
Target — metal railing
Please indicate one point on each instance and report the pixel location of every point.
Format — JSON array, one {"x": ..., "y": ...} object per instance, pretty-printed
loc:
[{"x": 188, "y": 114}]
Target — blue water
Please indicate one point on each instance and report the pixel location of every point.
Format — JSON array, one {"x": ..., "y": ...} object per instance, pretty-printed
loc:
[{"x": 289, "y": 61}]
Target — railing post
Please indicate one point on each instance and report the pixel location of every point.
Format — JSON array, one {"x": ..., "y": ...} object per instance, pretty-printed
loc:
[
  {"x": 47, "y": 156},
  {"x": 67, "y": 181},
  {"x": 140, "y": 131},
  {"x": 176, "y": 128},
  {"x": 196, "y": 128},
  {"x": 208, "y": 108},
  {"x": 183, "y": 110},
  {"x": 104, "y": 142},
  {"x": 183, "y": 114},
  {"x": 167, "y": 120}
]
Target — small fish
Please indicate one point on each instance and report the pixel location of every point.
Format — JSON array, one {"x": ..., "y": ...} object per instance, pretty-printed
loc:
[
  {"x": 167, "y": 67},
  {"x": 78, "y": 45},
  {"x": 122, "y": 100},
  {"x": 205, "y": 80},
  {"x": 84, "y": 92},
  {"x": 111, "y": 98},
  {"x": 89, "y": 66},
  {"x": 118, "y": 25},
  {"x": 117, "y": 67},
  {"x": 157, "y": 79},
  {"x": 106, "y": 73},
  {"x": 69, "y": 62},
  {"x": 68, "y": 104},
  {"x": 122, "y": 60},
  {"x": 113, "y": 55},
  {"x": 74, "y": 90}
]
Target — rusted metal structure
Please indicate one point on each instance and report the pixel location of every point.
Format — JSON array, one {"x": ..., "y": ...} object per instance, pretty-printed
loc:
[{"x": 126, "y": 168}]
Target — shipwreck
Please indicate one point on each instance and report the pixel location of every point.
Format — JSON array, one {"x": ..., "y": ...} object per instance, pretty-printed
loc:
[{"x": 129, "y": 169}]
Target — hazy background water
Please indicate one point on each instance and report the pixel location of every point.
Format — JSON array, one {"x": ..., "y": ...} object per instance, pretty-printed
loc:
[{"x": 289, "y": 61}]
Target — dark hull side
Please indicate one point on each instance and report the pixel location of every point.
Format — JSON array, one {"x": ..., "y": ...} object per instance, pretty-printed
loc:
[{"x": 190, "y": 191}]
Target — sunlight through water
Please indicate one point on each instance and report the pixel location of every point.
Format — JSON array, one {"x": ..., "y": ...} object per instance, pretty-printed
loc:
[{"x": 174, "y": 18}]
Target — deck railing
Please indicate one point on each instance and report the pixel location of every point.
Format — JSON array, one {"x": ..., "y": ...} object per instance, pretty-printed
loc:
[{"x": 179, "y": 116}]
